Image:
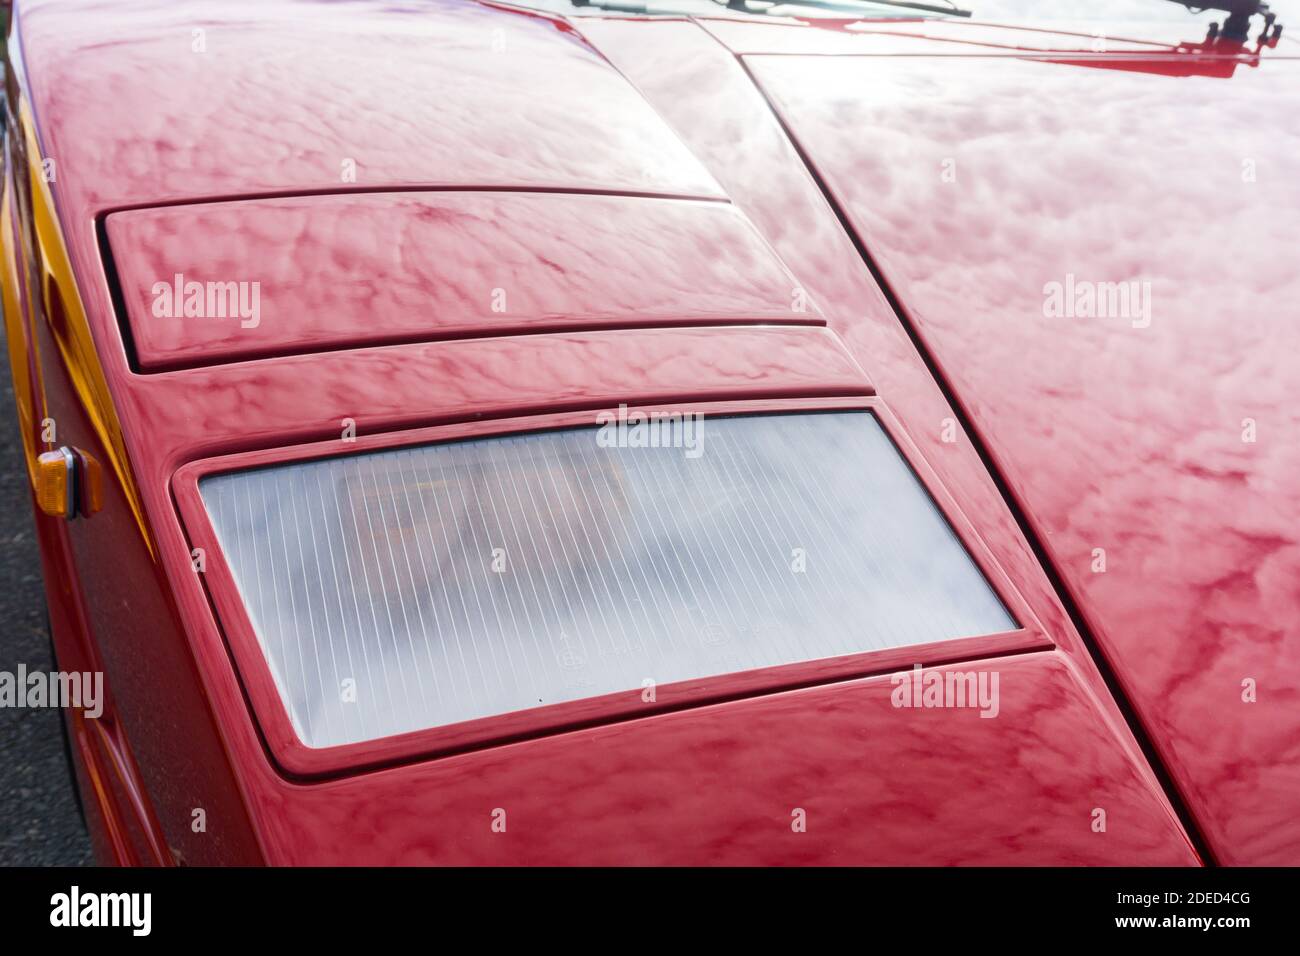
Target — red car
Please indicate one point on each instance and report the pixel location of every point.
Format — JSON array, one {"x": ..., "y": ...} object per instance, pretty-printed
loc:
[{"x": 558, "y": 432}]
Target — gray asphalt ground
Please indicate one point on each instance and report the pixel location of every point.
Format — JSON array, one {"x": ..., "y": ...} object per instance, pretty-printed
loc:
[{"x": 39, "y": 823}]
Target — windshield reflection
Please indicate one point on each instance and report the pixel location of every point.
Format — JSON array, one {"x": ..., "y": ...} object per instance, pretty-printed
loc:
[{"x": 748, "y": 9}]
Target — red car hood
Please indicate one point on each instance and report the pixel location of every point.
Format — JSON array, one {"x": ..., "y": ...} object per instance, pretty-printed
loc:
[
  {"x": 1152, "y": 450},
  {"x": 971, "y": 183}
]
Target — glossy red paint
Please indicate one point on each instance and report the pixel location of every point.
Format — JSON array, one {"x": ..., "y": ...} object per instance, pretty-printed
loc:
[
  {"x": 879, "y": 785},
  {"x": 286, "y": 97},
  {"x": 652, "y": 108},
  {"x": 433, "y": 266},
  {"x": 1131, "y": 433},
  {"x": 301, "y": 398}
]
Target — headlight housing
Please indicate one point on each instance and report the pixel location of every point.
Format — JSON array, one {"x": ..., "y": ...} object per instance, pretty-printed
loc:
[{"x": 410, "y": 588}]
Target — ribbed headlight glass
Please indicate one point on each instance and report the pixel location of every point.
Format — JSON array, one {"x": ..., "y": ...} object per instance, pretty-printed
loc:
[{"x": 418, "y": 587}]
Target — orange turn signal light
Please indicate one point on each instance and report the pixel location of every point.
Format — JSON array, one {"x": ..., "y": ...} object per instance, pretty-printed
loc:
[{"x": 55, "y": 473}]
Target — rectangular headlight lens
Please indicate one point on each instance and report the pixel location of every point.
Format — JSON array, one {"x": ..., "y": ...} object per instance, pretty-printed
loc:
[{"x": 418, "y": 587}]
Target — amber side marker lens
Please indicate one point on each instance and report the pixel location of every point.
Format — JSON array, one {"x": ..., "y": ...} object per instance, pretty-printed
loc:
[{"x": 54, "y": 482}]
